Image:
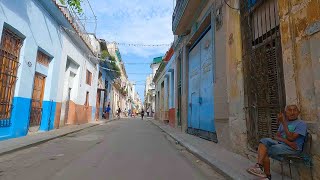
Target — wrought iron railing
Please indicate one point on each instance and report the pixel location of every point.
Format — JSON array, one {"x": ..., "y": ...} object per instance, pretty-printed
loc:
[
  {"x": 75, "y": 20},
  {"x": 35, "y": 115}
]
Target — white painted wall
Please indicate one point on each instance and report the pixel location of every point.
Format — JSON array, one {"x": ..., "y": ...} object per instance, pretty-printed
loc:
[
  {"x": 30, "y": 20},
  {"x": 81, "y": 58}
]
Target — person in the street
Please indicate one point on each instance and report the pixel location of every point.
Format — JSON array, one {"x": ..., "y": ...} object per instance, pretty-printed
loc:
[
  {"x": 129, "y": 112},
  {"x": 142, "y": 114},
  {"x": 107, "y": 112},
  {"x": 119, "y": 112},
  {"x": 289, "y": 140}
]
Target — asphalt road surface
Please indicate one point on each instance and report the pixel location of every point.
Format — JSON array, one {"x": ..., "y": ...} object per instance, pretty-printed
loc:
[{"x": 127, "y": 149}]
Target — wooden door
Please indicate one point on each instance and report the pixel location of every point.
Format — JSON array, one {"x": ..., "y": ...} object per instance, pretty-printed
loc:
[
  {"x": 201, "y": 106},
  {"x": 37, "y": 98},
  {"x": 98, "y": 105}
]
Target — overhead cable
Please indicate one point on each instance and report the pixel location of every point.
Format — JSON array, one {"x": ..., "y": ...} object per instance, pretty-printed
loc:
[
  {"x": 230, "y": 6},
  {"x": 123, "y": 43}
]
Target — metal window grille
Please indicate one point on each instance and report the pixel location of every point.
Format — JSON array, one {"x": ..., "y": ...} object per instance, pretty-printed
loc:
[
  {"x": 9, "y": 61},
  {"x": 263, "y": 74},
  {"x": 88, "y": 77}
]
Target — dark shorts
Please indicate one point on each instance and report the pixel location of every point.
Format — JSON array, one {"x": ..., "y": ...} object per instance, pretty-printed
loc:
[{"x": 277, "y": 150}]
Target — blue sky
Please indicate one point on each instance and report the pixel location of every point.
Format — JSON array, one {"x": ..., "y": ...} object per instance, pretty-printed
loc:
[{"x": 135, "y": 21}]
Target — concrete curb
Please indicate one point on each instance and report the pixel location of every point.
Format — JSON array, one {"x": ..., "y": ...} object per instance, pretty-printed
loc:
[
  {"x": 44, "y": 140},
  {"x": 224, "y": 171}
]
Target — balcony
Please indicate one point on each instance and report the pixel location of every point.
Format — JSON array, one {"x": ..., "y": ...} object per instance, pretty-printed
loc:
[{"x": 183, "y": 14}]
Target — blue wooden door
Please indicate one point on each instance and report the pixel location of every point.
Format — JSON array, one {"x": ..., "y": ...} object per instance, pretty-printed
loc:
[
  {"x": 194, "y": 91},
  {"x": 206, "y": 85},
  {"x": 201, "y": 100}
]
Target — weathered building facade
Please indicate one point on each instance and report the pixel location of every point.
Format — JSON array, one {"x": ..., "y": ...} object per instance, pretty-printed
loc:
[
  {"x": 165, "y": 90},
  {"x": 248, "y": 60},
  {"x": 300, "y": 40},
  {"x": 27, "y": 65},
  {"x": 51, "y": 72},
  {"x": 120, "y": 85},
  {"x": 150, "y": 93},
  {"x": 53, "y": 55}
]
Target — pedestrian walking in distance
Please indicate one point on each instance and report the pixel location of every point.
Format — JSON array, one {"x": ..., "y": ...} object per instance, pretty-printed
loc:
[
  {"x": 107, "y": 112},
  {"x": 119, "y": 112},
  {"x": 142, "y": 113}
]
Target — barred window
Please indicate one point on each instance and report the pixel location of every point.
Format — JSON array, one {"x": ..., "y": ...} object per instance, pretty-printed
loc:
[
  {"x": 9, "y": 62},
  {"x": 88, "y": 77}
]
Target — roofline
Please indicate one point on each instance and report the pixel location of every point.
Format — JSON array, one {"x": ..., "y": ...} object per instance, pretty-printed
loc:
[{"x": 48, "y": 3}]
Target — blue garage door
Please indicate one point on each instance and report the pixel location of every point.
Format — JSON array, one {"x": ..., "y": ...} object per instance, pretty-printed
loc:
[{"x": 201, "y": 107}]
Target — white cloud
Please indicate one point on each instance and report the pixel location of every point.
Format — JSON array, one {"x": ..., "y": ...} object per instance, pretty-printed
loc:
[{"x": 135, "y": 21}]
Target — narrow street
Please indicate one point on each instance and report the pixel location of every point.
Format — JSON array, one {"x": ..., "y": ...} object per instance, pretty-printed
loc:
[
  {"x": 123, "y": 149},
  {"x": 231, "y": 89}
]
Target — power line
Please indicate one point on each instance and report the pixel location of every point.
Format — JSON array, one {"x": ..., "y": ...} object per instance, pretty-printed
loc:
[
  {"x": 125, "y": 44},
  {"x": 139, "y": 73},
  {"x": 230, "y": 6},
  {"x": 127, "y": 73},
  {"x": 106, "y": 60},
  {"x": 138, "y": 63},
  {"x": 139, "y": 44}
]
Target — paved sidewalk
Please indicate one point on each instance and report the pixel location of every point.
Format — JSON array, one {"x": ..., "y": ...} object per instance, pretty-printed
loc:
[
  {"x": 230, "y": 164},
  {"x": 16, "y": 144}
]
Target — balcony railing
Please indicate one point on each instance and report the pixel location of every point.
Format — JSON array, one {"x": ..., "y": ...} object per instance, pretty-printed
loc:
[
  {"x": 178, "y": 12},
  {"x": 75, "y": 20}
]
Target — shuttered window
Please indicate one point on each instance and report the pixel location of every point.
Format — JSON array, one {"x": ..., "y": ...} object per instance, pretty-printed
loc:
[{"x": 88, "y": 77}]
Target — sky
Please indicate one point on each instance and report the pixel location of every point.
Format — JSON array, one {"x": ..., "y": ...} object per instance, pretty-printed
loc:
[{"x": 135, "y": 22}]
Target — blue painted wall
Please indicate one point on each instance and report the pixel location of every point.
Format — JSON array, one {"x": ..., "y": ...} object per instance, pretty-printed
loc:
[
  {"x": 48, "y": 114},
  {"x": 19, "y": 119}
]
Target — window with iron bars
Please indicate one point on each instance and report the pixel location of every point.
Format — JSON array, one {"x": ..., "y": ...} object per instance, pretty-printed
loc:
[
  {"x": 262, "y": 67},
  {"x": 88, "y": 77},
  {"x": 9, "y": 62}
]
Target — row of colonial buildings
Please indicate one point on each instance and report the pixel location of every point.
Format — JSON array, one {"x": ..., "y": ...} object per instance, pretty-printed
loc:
[
  {"x": 149, "y": 92},
  {"x": 52, "y": 72},
  {"x": 235, "y": 64}
]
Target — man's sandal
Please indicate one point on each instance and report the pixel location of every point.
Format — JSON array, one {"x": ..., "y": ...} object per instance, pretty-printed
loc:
[{"x": 257, "y": 171}]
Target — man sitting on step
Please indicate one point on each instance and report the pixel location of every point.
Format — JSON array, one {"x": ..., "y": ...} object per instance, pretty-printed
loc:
[{"x": 289, "y": 140}]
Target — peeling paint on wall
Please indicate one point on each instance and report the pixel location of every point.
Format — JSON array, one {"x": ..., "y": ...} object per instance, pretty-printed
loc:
[{"x": 300, "y": 31}]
